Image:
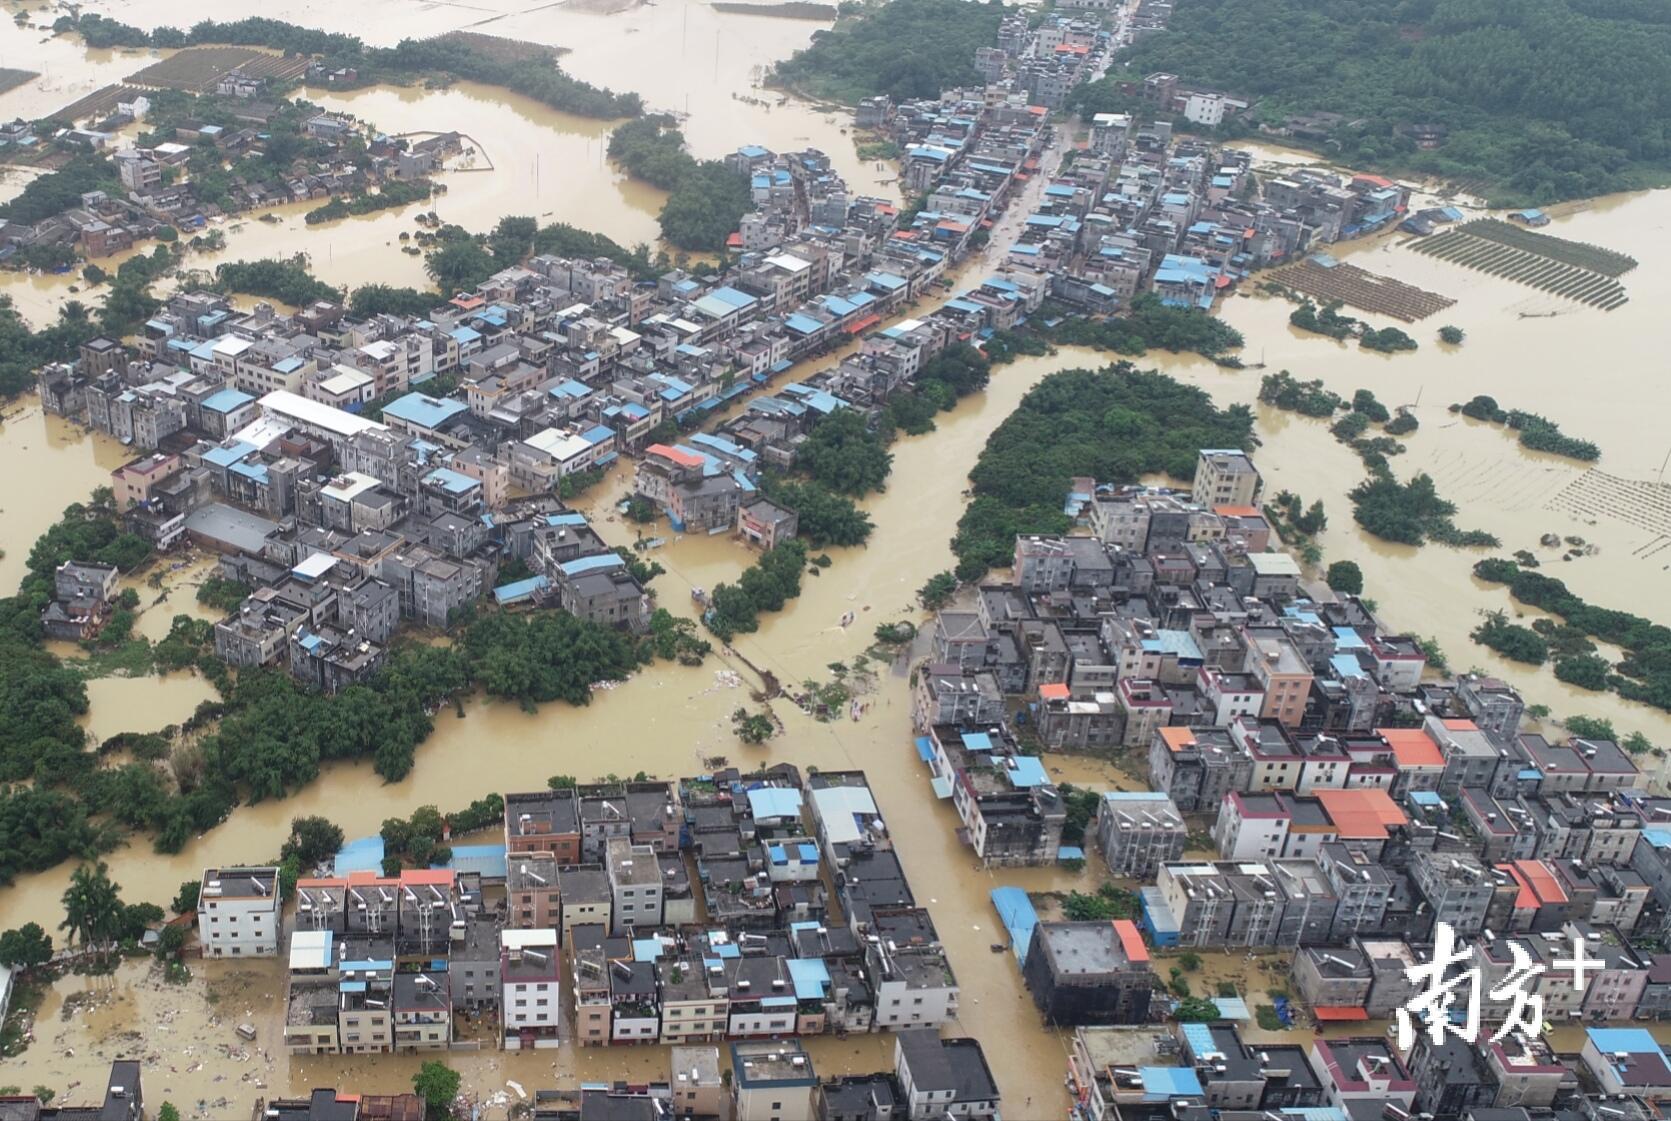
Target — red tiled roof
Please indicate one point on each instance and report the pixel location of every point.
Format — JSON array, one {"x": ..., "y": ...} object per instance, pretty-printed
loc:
[
  {"x": 682, "y": 458},
  {"x": 1329, "y": 1013},
  {"x": 1131, "y": 940}
]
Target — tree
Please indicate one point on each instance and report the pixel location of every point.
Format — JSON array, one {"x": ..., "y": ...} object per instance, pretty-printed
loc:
[
  {"x": 26, "y": 947},
  {"x": 562, "y": 782},
  {"x": 460, "y": 264},
  {"x": 312, "y": 841},
  {"x": 1587, "y": 671},
  {"x": 168, "y": 1112},
  {"x": 845, "y": 455},
  {"x": 1452, "y": 335},
  {"x": 1345, "y": 576},
  {"x": 752, "y": 727},
  {"x": 170, "y": 942},
  {"x": 186, "y": 899},
  {"x": 1590, "y": 728},
  {"x": 938, "y": 592},
  {"x": 93, "y": 913},
  {"x": 438, "y": 1085}
]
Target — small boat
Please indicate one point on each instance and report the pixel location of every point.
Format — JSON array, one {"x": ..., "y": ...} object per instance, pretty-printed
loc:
[{"x": 998, "y": 947}]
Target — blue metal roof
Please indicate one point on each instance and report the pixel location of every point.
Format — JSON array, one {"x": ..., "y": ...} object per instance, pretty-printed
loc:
[
  {"x": 1199, "y": 1039},
  {"x": 977, "y": 741},
  {"x": 597, "y": 434},
  {"x": 423, "y": 410},
  {"x": 1016, "y": 912},
  {"x": 225, "y": 400},
  {"x": 486, "y": 860},
  {"x": 362, "y": 855},
  {"x": 519, "y": 591},
  {"x": 451, "y": 481},
  {"x": 1025, "y": 771},
  {"x": 583, "y": 565},
  {"x": 1163, "y": 1083},
  {"x": 811, "y": 977},
  {"x": 1632, "y": 1041},
  {"x": 227, "y": 456},
  {"x": 803, "y": 324},
  {"x": 569, "y": 518},
  {"x": 774, "y": 801},
  {"x": 925, "y": 748}
]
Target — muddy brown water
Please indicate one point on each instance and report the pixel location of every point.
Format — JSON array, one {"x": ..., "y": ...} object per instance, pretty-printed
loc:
[
  {"x": 1601, "y": 375},
  {"x": 682, "y": 57}
]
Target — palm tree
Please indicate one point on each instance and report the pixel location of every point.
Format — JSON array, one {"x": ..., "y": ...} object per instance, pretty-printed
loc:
[{"x": 92, "y": 906}]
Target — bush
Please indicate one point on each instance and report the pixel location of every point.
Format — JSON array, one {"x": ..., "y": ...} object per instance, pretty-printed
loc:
[
  {"x": 1345, "y": 577},
  {"x": 1452, "y": 335},
  {"x": 1511, "y": 640}
]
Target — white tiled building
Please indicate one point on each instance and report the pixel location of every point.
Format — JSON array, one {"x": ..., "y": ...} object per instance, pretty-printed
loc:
[{"x": 238, "y": 912}]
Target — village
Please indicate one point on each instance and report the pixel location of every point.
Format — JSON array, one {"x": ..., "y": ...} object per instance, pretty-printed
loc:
[{"x": 1299, "y": 781}]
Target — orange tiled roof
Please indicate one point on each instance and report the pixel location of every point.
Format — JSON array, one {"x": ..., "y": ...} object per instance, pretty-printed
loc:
[
  {"x": 1177, "y": 738},
  {"x": 1412, "y": 747},
  {"x": 1365, "y": 813}
]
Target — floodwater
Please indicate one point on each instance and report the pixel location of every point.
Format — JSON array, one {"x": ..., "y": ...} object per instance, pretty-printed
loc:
[
  {"x": 528, "y": 159},
  {"x": 669, "y": 719},
  {"x": 47, "y": 463}
]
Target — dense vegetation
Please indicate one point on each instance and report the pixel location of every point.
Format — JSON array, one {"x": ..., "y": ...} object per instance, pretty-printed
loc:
[
  {"x": 1308, "y": 398},
  {"x": 1511, "y": 640},
  {"x": 706, "y": 199},
  {"x": 1536, "y": 432},
  {"x": 1387, "y": 340},
  {"x": 564, "y": 240},
  {"x": 287, "y": 281},
  {"x": 1345, "y": 577},
  {"x": 384, "y": 299},
  {"x": 267, "y": 735},
  {"x": 389, "y": 196},
  {"x": 1410, "y": 513},
  {"x": 939, "y": 385},
  {"x": 128, "y": 302},
  {"x": 845, "y": 455},
  {"x": 1643, "y": 675},
  {"x": 1115, "y": 424},
  {"x": 1147, "y": 324},
  {"x": 533, "y": 73},
  {"x": 903, "y": 48},
  {"x": 58, "y": 191},
  {"x": 767, "y": 585},
  {"x": 822, "y": 517},
  {"x": 1513, "y": 82},
  {"x": 1326, "y": 320}
]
